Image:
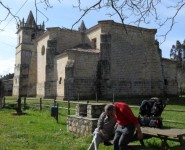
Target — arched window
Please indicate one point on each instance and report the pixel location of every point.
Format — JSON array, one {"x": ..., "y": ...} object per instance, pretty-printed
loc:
[
  {"x": 60, "y": 80},
  {"x": 94, "y": 43},
  {"x": 32, "y": 36},
  {"x": 43, "y": 50}
]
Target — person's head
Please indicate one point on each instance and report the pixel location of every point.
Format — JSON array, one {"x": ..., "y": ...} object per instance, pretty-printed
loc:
[{"x": 109, "y": 109}]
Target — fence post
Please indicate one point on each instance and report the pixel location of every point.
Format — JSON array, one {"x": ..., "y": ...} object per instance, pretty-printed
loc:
[
  {"x": 40, "y": 103},
  {"x": 113, "y": 97},
  {"x": 57, "y": 113},
  {"x": 55, "y": 103},
  {"x": 78, "y": 97},
  {"x": 24, "y": 103},
  {"x": 96, "y": 98},
  {"x": 4, "y": 98},
  {"x": 68, "y": 107},
  {"x": 1, "y": 102},
  {"x": 19, "y": 111},
  {"x": 1, "y": 99}
]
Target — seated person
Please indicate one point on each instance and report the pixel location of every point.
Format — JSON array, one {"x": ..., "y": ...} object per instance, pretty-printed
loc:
[
  {"x": 105, "y": 127},
  {"x": 127, "y": 123}
]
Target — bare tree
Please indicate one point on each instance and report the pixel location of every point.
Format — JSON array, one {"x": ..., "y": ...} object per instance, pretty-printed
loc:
[
  {"x": 46, "y": 4},
  {"x": 135, "y": 12},
  {"x": 9, "y": 13}
]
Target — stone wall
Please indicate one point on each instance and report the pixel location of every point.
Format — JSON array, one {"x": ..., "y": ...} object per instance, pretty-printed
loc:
[
  {"x": 25, "y": 72},
  {"x": 85, "y": 120},
  {"x": 60, "y": 64},
  {"x": 50, "y": 83},
  {"x": 76, "y": 74},
  {"x": 17, "y": 72},
  {"x": 81, "y": 126},
  {"x": 170, "y": 77},
  {"x": 124, "y": 61},
  {"x": 46, "y": 81},
  {"x": 7, "y": 87},
  {"x": 41, "y": 65},
  {"x": 135, "y": 60},
  {"x": 81, "y": 74},
  {"x": 93, "y": 37},
  {"x": 1, "y": 89},
  {"x": 68, "y": 39},
  {"x": 181, "y": 81},
  {"x": 54, "y": 41},
  {"x": 25, "y": 64}
]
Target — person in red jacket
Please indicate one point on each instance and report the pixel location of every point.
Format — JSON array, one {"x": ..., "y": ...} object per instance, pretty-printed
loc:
[{"x": 127, "y": 123}]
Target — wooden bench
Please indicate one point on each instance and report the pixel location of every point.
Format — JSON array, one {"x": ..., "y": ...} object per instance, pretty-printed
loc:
[{"x": 164, "y": 134}]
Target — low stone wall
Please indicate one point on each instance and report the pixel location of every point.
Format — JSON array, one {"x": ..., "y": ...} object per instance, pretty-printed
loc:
[
  {"x": 86, "y": 118},
  {"x": 81, "y": 126},
  {"x": 94, "y": 110}
]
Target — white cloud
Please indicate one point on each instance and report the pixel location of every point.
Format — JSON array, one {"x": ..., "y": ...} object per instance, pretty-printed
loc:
[{"x": 7, "y": 66}]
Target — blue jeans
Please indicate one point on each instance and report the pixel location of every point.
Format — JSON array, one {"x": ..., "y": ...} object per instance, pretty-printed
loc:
[{"x": 123, "y": 136}]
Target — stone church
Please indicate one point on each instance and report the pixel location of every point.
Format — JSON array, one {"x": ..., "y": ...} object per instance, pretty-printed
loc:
[{"x": 105, "y": 60}]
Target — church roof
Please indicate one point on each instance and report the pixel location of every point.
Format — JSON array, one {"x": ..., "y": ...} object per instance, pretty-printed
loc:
[
  {"x": 82, "y": 27},
  {"x": 95, "y": 51},
  {"x": 30, "y": 20}
]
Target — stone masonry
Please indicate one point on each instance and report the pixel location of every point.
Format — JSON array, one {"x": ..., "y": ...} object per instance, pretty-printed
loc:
[
  {"x": 108, "y": 58},
  {"x": 25, "y": 71},
  {"x": 85, "y": 120}
]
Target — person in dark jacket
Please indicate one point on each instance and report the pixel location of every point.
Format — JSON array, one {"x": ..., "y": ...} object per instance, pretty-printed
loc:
[{"x": 105, "y": 127}]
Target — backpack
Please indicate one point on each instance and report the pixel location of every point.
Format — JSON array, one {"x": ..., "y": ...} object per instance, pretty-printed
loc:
[
  {"x": 155, "y": 122},
  {"x": 152, "y": 107},
  {"x": 150, "y": 112},
  {"x": 157, "y": 108}
]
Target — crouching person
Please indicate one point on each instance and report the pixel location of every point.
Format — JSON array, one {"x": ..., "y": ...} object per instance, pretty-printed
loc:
[{"x": 105, "y": 127}]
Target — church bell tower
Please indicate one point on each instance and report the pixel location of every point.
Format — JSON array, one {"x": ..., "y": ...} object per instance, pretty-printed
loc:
[{"x": 25, "y": 73}]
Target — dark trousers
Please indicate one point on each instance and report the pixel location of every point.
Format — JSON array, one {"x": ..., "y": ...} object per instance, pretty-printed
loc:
[{"x": 123, "y": 136}]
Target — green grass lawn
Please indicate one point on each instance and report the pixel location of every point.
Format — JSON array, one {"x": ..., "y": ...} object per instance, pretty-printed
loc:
[{"x": 37, "y": 130}]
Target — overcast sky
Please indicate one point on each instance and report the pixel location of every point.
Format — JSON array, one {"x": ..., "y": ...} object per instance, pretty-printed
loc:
[{"x": 64, "y": 15}]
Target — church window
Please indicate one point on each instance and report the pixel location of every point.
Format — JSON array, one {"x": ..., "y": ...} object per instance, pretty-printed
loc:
[
  {"x": 32, "y": 36},
  {"x": 165, "y": 82},
  {"x": 19, "y": 40},
  {"x": 94, "y": 43},
  {"x": 60, "y": 80},
  {"x": 43, "y": 50}
]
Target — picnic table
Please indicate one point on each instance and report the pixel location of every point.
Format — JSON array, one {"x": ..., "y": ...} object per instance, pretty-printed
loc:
[{"x": 165, "y": 134}]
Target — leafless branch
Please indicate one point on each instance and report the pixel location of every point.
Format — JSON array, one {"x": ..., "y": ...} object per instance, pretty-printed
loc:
[
  {"x": 85, "y": 11},
  {"x": 178, "y": 7},
  {"x": 134, "y": 12},
  {"x": 9, "y": 13},
  {"x": 138, "y": 11}
]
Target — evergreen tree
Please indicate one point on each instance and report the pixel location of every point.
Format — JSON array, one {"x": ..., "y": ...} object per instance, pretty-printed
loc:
[{"x": 177, "y": 53}]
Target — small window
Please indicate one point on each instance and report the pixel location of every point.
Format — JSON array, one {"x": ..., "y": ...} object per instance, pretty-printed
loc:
[
  {"x": 165, "y": 82},
  {"x": 43, "y": 50},
  {"x": 33, "y": 36},
  {"x": 60, "y": 80},
  {"x": 94, "y": 43}
]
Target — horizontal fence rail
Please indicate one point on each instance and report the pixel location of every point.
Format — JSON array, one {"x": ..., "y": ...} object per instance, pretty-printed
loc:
[{"x": 48, "y": 103}]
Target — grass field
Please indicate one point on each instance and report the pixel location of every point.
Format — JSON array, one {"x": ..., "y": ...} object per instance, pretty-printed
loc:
[{"x": 37, "y": 130}]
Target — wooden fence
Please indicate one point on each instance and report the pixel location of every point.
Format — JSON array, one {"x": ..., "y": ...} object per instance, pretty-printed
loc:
[{"x": 49, "y": 103}]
